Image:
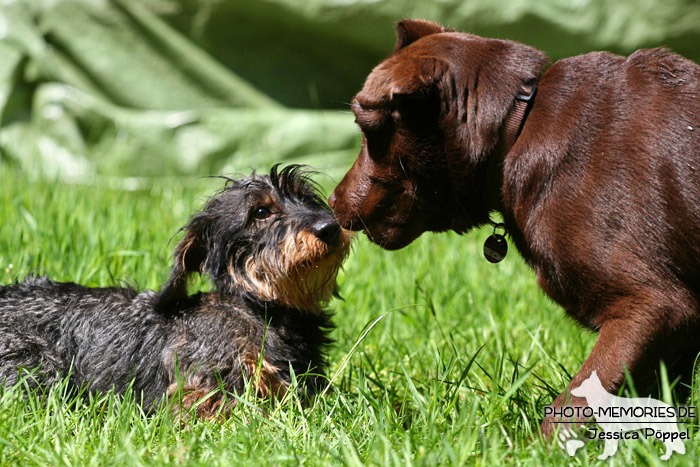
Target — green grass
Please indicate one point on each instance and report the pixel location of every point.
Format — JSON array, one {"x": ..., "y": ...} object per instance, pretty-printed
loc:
[{"x": 462, "y": 357}]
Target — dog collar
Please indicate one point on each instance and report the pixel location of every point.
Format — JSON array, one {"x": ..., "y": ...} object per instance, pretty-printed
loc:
[
  {"x": 496, "y": 246},
  {"x": 516, "y": 118}
]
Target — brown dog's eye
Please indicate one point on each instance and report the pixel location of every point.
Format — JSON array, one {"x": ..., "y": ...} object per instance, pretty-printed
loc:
[
  {"x": 262, "y": 213},
  {"x": 368, "y": 118}
]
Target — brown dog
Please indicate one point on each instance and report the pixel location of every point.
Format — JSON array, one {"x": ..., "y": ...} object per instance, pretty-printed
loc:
[{"x": 593, "y": 164}]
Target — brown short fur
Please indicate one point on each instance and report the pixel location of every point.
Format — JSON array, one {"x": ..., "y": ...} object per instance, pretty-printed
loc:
[{"x": 600, "y": 192}]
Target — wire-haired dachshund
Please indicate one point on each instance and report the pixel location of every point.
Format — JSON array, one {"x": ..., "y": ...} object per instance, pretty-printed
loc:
[{"x": 272, "y": 249}]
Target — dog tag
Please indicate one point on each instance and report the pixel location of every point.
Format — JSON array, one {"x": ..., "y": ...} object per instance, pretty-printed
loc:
[{"x": 495, "y": 248}]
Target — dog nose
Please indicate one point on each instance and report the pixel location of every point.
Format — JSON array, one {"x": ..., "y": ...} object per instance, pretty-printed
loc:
[
  {"x": 327, "y": 231},
  {"x": 331, "y": 200}
]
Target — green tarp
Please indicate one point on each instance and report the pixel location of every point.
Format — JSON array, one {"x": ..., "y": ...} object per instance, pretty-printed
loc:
[{"x": 129, "y": 88}]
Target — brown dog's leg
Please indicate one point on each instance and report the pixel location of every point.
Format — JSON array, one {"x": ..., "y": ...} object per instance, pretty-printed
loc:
[
  {"x": 637, "y": 341},
  {"x": 606, "y": 358}
]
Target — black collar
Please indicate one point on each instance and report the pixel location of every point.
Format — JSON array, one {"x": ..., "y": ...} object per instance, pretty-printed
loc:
[{"x": 516, "y": 119}]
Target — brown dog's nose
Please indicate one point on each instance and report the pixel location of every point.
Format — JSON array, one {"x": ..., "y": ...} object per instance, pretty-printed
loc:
[{"x": 331, "y": 200}]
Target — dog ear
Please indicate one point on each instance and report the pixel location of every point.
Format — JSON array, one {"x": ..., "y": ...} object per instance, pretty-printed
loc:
[
  {"x": 189, "y": 257},
  {"x": 418, "y": 84},
  {"x": 410, "y": 30},
  {"x": 390, "y": 88},
  {"x": 495, "y": 72}
]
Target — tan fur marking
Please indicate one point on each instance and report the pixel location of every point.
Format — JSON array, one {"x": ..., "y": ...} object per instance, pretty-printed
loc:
[
  {"x": 182, "y": 249},
  {"x": 209, "y": 409},
  {"x": 264, "y": 376},
  {"x": 302, "y": 277}
]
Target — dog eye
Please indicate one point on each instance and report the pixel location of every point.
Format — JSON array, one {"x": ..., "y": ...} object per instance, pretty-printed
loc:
[{"x": 262, "y": 213}]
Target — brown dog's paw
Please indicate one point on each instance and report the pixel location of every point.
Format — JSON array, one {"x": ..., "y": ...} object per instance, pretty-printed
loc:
[{"x": 551, "y": 426}]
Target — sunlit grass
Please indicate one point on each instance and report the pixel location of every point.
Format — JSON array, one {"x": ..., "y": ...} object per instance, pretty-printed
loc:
[{"x": 456, "y": 369}]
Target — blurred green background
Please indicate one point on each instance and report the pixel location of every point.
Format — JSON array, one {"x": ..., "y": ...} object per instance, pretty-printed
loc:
[
  {"x": 129, "y": 89},
  {"x": 112, "y": 110}
]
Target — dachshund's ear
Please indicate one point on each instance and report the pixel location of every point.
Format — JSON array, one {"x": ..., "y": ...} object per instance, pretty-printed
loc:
[
  {"x": 410, "y": 30},
  {"x": 189, "y": 257}
]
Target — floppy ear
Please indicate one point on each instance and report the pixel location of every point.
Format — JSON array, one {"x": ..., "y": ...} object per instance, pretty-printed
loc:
[
  {"x": 410, "y": 30},
  {"x": 189, "y": 257},
  {"x": 389, "y": 88},
  {"x": 493, "y": 74}
]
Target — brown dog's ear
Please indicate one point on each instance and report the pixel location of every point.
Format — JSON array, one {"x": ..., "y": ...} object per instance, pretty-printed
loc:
[
  {"x": 389, "y": 87},
  {"x": 189, "y": 257},
  {"x": 427, "y": 73},
  {"x": 494, "y": 73},
  {"x": 410, "y": 30}
]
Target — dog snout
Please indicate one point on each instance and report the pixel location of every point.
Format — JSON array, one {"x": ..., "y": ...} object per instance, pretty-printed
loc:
[
  {"x": 343, "y": 213},
  {"x": 348, "y": 201},
  {"x": 327, "y": 231}
]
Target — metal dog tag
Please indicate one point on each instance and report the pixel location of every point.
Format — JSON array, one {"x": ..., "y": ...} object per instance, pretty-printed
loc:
[{"x": 495, "y": 248}]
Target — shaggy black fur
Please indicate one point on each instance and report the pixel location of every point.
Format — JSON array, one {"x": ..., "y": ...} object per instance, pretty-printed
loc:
[{"x": 272, "y": 249}]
